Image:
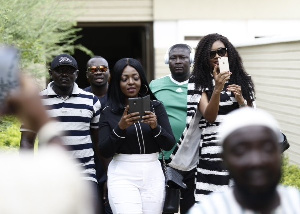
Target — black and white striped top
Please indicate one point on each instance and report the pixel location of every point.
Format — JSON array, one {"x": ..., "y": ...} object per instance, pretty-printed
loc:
[
  {"x": 77, "y": 114},
  {"x": 226, "y": 203},
  {"x": 199, "y": 139}
]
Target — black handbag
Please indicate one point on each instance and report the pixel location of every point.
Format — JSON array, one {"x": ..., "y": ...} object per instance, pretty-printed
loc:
[
  {"x": 174, "y": 178},
  {"x": 172, "y": 200},
  {"x": 173, "y": 183},
  {"x": 284, "y": 144}
]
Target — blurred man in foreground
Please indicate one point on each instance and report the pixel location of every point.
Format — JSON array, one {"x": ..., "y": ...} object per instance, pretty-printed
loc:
[
  {"x": 253, "y": 157},
  {"x": 49, "y": 182}
]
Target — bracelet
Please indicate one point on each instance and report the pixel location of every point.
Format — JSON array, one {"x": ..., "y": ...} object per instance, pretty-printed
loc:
[
  {"x": 243, "y": 104},
  {"x": 47, "y": 132}
]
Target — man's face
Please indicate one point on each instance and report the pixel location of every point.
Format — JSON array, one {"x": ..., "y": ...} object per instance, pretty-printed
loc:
[
  {"x": 179, "y": 62},
  {"x": 96, "y": 73},
  {"x": 64, "y": 76},
  {"x": 252, "y": 156}
]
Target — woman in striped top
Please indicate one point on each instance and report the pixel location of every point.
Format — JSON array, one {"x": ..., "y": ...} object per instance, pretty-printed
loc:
[{"x": 221, "y": 93}]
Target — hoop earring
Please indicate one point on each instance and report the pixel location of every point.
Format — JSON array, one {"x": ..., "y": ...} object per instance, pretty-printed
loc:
[{"x": 145, "y": 93}]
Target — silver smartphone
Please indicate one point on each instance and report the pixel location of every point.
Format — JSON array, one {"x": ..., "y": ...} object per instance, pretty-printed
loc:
[
  {"x": 223, "y": 64},
  {"x": 9, "y": 71}
]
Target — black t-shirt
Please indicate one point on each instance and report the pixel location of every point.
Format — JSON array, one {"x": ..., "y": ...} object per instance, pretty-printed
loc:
[
  {"x": 103, "y": 100},
  {"x": 100, "y": 172}
]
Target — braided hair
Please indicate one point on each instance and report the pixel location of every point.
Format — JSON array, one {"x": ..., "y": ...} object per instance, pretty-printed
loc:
[{"x": 202, "y": 68}]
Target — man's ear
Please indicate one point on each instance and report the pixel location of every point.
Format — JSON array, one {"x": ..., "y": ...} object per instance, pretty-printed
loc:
[
  {"x": 50, "y": 73},
  {"x": 76, "y": 73}
]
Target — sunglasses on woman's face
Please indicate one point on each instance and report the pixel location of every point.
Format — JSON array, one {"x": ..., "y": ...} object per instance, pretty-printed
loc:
[
  {"x": 94, "y": 69},
  {"x": 221, "y": 52}
]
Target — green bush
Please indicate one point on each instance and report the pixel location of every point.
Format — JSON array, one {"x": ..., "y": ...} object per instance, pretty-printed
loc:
[
  {"x": 9, "y": 133},
  {"x": 290, "y": 174}
]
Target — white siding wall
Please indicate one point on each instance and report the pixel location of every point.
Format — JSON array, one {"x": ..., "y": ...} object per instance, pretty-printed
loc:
[
  {"x": 234, "y": 9},
  {"x": 112, "y": 10},
  {"x": 161, "y": 69},
  {"x": 275, "y": 69}
]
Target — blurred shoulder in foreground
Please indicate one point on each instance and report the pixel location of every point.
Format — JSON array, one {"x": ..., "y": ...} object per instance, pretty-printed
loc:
[{"x": 48, "y": 182}]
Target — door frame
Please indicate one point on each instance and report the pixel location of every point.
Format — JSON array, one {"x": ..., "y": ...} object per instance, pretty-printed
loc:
[{"x": 148, "y": 44}]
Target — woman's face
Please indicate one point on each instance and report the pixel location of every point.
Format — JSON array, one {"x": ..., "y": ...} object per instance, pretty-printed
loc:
[
  {"x": 130, "y": 82},
  {"x": 216, "y": 47}
]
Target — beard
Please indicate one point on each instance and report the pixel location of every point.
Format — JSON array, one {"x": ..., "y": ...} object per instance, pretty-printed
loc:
[
  {"x": 180, "y": 75},
  {"x": 256, "y": 199}
]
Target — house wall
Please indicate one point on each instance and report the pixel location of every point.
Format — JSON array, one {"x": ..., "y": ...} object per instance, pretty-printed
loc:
[
  {"x": 112, "y": 10},
  {"x": 275, "y": 69},
  {"x": 225, "y": 10}
]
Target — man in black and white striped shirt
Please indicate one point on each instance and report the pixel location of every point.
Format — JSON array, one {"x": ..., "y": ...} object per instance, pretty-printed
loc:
[
  {"x": 253, "y": 157},
  {"x": 76, "y": 111}
]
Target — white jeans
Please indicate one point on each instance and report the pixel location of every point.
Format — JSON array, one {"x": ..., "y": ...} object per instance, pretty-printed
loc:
[{"x": 136, "y": 184}]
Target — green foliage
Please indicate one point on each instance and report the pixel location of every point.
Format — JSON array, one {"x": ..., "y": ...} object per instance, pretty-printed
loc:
[
  {"x": 41, "y": 29},
  {"x": 290, "y": 174},
  {"x": 9, "y": 133}
]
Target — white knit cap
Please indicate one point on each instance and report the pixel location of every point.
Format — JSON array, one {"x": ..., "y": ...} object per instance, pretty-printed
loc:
[{"x": 244, "y": 117}]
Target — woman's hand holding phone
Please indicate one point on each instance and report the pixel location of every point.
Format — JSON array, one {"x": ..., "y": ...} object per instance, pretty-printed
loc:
[
  {"x": 220, "y": 79},
  {"x": 128, "y": 119},
  {"x": 150, "y": 119}
]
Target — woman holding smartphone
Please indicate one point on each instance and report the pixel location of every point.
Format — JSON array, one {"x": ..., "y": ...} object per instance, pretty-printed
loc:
[
  {"x": 135, "y": 177},
  {"x": 218, "y": 94}
]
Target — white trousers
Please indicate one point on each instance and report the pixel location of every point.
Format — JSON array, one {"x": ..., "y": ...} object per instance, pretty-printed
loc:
[{"x": 136, "y": 184}]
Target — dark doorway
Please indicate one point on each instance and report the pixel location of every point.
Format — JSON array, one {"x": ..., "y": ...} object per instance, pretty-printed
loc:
[{"x": 116, "y": 42}]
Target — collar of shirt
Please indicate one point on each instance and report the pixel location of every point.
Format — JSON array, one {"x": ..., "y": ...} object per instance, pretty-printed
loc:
[
  {"x": 50, "y": 91},
  {"x": 176, "y": 82}
]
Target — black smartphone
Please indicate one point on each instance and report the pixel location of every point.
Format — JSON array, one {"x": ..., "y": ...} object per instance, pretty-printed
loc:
[
  {"x": 139, "y": 104},
  {"x": 9, "y": 71}
]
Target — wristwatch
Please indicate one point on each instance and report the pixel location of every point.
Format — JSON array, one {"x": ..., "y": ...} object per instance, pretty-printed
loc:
[{"x": 244, "y": 103}]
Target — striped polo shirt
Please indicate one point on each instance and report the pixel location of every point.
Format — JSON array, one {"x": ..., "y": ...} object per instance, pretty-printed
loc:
[{"x": 77, "y": 114}]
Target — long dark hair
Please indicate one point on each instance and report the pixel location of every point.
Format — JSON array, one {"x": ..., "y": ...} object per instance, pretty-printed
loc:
[
  {"x": 116, "y": 98},
  {"x": 202, "y": 68}
]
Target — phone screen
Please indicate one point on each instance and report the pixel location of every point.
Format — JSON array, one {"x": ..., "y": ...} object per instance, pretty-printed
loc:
[{"x": 9, "y": 71}]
